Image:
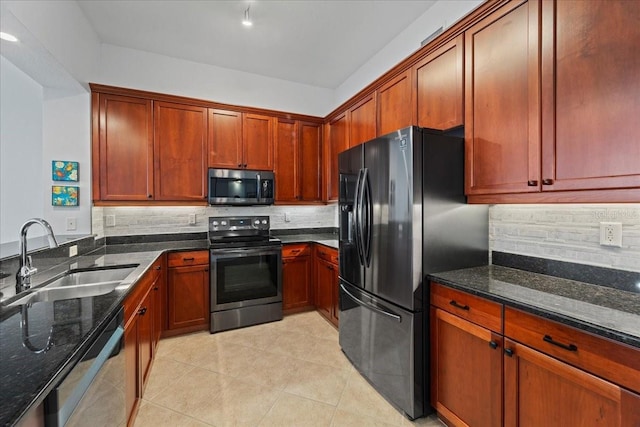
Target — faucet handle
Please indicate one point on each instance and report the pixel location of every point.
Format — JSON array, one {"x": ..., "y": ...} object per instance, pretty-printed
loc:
[{"x": 31, "y": 270}]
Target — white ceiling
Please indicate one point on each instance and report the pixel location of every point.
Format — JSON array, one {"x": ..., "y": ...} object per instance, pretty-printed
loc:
[{"x": 315, "y": 42}]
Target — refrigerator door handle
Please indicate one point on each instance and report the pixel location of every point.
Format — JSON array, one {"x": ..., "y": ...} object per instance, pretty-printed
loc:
[
  {"x": 370, "y": 306},
  {"x": 368, "y": 214},
  {"x": 357, "y": 202}
]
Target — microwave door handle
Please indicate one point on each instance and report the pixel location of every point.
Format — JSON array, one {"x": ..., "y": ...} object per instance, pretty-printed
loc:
[{"x": 258, "y": 187}]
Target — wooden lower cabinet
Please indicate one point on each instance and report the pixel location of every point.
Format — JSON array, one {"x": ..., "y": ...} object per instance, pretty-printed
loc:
[
  {"x": 541, "y": 390},
  {"x": 297, "y": 268},
  {"x": 466, "y": 370},
  {"x": 188, "y": 291},
  {"x": 326, "y": 284}
]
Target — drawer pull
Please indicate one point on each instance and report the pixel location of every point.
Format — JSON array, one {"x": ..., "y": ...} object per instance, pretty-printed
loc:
[
  {"x": 156, "y": 288},
  {"x": 570, "y": 347},
  {"x": 493, "y": 344},
  {"x": 532, "y": 183},
  {"x": 462, "y": 307},
  {"x": 158, "y": 268},
  {"x": 295, "y": 251},
  {"x": 189, "y": 259},
  {"x": 508, "y": 352},
  {"x": 142, "y": 311}
]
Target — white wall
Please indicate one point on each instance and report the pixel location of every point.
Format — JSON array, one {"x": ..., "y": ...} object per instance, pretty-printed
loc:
[
  {"x": 67, "y": 136},
  {"x": 443, "y": 13},
  {"x": 21, "y": 190}
]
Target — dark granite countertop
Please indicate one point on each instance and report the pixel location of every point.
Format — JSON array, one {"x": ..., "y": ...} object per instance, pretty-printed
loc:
[
  {"x": 605, "y": 311},
  {"x": 323, "y": 236},
  {"x": 26, "y": 377}
]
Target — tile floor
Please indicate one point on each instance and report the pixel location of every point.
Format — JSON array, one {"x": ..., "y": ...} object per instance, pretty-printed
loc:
[{"x": 287, "y": 373}]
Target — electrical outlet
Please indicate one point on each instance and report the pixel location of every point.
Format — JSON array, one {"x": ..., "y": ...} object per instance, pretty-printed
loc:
[
  {"x": 111, "y": 221},
  {"x": 71, "y": 224},
  {"x": 287, "y": 217},
  {"x": 73, "y": 250},
  {"x": 611, "y": 234},
  {"x": 192, "y": 219}
]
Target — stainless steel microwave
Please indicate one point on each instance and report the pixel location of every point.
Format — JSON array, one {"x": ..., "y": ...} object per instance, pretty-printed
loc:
[{"x": 240, "y": 187}]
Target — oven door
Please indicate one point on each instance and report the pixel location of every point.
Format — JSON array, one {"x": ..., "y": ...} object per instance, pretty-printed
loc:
[{"x": 242, "y": 277}]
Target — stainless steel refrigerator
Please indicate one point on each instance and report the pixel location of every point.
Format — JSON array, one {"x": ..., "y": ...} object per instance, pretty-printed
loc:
[{"x": 402, "y": 215}]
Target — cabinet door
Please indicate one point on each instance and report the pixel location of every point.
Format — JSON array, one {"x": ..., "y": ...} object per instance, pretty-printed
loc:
[
  {"x": 590, "y": 92},
  {"x": 286, "y": 161},
  {"x": 324, "y": 285},
  {"x": 439, "y": 81},
  {"x": 310, "y": 171},
  {"x": 394, "y": 104},
  {"x": 225, "y": 139},
  {"x": 296, "y": 282},
  {"x": 338, "y": 141},
  {"x": 466, "y": 371},
  {"x": 257, "y": 137},
  {"x": 502, "y": 119},
  {"x": 335, "y": 292},
  {"x": 540, "y": 390},
  {"x": 188, "y": 296},
  {"x": 145, "y": 338},
  {"x": 132, "y": 392},
  {"x": 125, "y": 148},
  {"x": 180, "y": 150},
  {"x": 362, "y": 121}
]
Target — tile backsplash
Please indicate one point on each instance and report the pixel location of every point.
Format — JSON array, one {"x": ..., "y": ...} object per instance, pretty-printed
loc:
[
  {"x": 567, "y": 233},
  {"x": 175, "y": 219}
]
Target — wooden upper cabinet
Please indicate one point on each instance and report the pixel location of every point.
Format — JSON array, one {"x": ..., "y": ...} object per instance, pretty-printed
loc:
[
  {"x": 225, "y": 139},
  {"x": 439, "y": 96},
  {"x": 123, "y": 148},
  {"x": 338, "y": 141},
  {"x": 394, "y": 104},
  {"x": 286, "y": 161},
  {"x": 502, "y": 119},
  {"x": 362, "y": 121},
  {"x": 591, "y": 94},
  {"x": 180, "y": 145},
  {"x": 257, "y": 136},
  {"x": 310, "y": 154}
]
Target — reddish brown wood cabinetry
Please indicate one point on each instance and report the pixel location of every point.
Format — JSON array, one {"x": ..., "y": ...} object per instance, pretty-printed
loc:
[
  {"x": 338, "y": 141},
  {"x": 225, "y": 139},
  {"x": 298, "y": 161},
  {"x": 188, "y": 291},
  {"x": 257, "y": 137},
  {"x": 122, "y": 148},
  {"x": 180, "y": 146},
  {"x": 326, "y": 283},
  {"x": 297, "y": 269},
  {"x": 362, "y": 121},
  {"x": 394, "y": 104},
  {"x": 590, "y": 94},
  {"x": 439, "y": 96},
  {"x": 502, "y": 119}
]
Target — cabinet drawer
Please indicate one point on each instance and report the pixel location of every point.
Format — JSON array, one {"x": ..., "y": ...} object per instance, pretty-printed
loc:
[
  {"x": 470, "y": 307},
  {"x": 294, "y": 250},
  {"x": 185, "y": 259},
  {"x": 327, "y": 254},
  {"x": 608, "y": 359}
]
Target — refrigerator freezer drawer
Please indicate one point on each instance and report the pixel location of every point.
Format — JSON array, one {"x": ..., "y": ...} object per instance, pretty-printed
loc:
[{"x": 384, "y": 342}]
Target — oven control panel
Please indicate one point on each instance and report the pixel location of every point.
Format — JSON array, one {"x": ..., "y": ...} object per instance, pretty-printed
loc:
[{"x": 222, "y": 225}]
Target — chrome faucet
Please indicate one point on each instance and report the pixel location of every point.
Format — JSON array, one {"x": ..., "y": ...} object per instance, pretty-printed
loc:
[{"x": 23, "y": 276}]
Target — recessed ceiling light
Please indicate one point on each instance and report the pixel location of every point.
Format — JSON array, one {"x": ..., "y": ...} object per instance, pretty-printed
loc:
[
  {"x": 8, "y": 37},
  {"x": 246, "y": 21}
]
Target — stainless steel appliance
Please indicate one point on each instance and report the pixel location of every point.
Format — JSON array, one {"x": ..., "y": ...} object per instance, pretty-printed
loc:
[
  {"x": 93, "y": 393},
  {"x": 246, "y": 272},
  {"x": 402, "y": 215},
  {"x": 241, "y": 187}
]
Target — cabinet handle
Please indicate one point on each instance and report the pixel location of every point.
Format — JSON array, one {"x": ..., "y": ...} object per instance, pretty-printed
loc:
[
  {"x": 508, "y": 352},
  {"x": 188, "y": 259},
  {"x": 455, "y": 304},
  {"x": 156, "y": 288},
  {"x": 159, "y": 268},
  {"x": 244, "y": 166},
  {"x": 330, "y": 267},
  {"x": 569, "y": 347},
  {"x": 547, "y": 182},
  {"x": 493, "y": 344},
  {"x": 295, "y": 251},
  {"x": 532, "y": 183},
  {"x": 150, "y": 196},
  {"x": 142, "y": 311}
]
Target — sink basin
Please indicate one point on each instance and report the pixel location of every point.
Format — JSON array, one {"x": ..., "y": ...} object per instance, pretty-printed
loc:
[{"x": 78, "y": 284}]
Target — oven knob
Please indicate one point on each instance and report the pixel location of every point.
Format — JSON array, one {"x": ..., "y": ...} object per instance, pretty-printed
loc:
[
  {"x": 256, "y": 222},
  {"x": 215, "y": 223},
  {"x": 264, "y": 221},
  {"x": 223, "y": 223}
]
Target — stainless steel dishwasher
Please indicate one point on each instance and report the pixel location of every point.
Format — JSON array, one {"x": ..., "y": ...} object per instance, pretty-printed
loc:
[{"x": 93, "y": 393}]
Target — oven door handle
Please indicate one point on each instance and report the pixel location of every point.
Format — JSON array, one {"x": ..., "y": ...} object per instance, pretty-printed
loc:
[{"x": 241, "y": 252}]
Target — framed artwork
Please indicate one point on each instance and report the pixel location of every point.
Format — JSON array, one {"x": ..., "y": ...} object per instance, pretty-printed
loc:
[
  {"x": 63, "y": 195},
  {"x": 63, "y": 170}
]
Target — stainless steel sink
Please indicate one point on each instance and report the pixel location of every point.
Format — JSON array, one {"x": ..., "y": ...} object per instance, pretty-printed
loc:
[{"x": 78, "y": 284}]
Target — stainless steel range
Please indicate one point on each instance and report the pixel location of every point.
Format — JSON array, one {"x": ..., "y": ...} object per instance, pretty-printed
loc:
[{"x": 246, "y": 272}]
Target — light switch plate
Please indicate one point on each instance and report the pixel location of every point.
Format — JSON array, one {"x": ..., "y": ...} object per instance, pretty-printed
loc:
[
  {"x": 111, "y": 221},
  {"x": 71, "y": 224},
  {"x": 192, "y": 219},
  {"x": 73, "y": 250}
]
